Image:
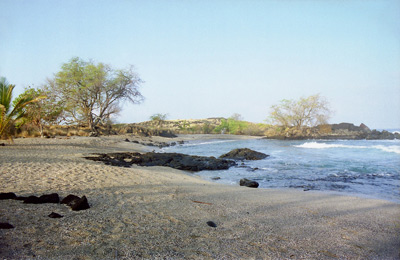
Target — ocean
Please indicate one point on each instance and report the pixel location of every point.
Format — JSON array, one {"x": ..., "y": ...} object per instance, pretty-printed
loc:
[{"x": 365, "y": 168}]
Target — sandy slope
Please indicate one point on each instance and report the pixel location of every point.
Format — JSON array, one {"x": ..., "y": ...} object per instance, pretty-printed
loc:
[{"x": 154, "y": 212}]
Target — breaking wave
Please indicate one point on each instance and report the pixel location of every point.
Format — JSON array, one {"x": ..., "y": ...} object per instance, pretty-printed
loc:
[{"x": 316, "y": 145}]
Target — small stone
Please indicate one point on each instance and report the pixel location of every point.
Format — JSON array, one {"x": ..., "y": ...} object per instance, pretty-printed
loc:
[
  {"x": 215, "y": 178},
  {"x": 6, "y": 226},
  {"x": 211, "y": 224},
  {"x": 7, "y": 196},
  {"x": 55, "y": 215}
]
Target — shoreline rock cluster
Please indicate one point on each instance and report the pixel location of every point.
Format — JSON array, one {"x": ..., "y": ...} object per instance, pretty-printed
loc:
[
  {"x": 174, "y": 160},
  {"x": 180, "y": 161},
  {"x": 156, "y": 144},
  {"x": 342, "y": 131},
  {"x": 74, "y": 202}
]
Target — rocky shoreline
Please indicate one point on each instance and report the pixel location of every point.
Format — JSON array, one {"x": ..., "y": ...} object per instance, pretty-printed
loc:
[{"x": 343, "y": 131}]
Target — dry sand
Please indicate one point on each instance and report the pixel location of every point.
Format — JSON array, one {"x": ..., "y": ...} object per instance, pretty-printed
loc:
[{"x": 153, "y": 212}]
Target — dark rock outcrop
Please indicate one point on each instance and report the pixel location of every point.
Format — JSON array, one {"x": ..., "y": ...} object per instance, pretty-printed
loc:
[
  {"x": 67, "y": 200},
  {"x": 244, "y": 154},
  {"x": 345, "y": 131},
  {"x": 7, "y": 196},
  {"x": 352, "y": 132},
  {"x": 173, "y": 160},
  {"x": 155, "y": 144},
  {"x": 6, "y": 226},
  {"x": 248, "y": 183},
  {"x": 32, "y": 200},
  {"x": 80, "y": 204},
  {"x": 76, "y": 203},
  {"x": 50, "y": 198},
  {"x": 47, "y": 198}
]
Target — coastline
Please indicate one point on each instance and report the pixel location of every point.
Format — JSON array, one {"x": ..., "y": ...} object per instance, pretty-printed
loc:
[{"x": 150, "y": 212}]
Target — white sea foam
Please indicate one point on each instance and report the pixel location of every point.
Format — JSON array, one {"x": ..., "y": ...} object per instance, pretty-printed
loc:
[
  {"x": 390, "y": 148},
  {"x": 315, "y": 145}
]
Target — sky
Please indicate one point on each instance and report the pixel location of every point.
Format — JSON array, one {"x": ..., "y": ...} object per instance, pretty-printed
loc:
[{"x": 213, "y": 58}]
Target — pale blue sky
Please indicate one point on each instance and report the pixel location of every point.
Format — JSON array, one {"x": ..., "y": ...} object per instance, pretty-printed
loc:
[{"x": 204, "y": 58}]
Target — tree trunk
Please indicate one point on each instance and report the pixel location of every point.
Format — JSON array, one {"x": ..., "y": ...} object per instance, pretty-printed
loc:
[{"x": 41, "y": 130}]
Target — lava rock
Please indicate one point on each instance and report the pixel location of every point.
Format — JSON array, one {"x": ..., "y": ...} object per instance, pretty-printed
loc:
[
  {"x": 248, "y": 183},
  {"x": 55, "y": 215},
  {"x": 21, "y": 198},
  {"x": 6, "y": 226},
  {"x": 67, "y": 200},
  {"x": 79, "y": 204},
  {"x": 211, "y": 224},
  {"x": 49, "y": 198},
  {"x": 173, "y": 160},
  {"x": 32, "y": 200},
  {"x": 244, "y": 154},
  {"x": 7, "y": 196}
]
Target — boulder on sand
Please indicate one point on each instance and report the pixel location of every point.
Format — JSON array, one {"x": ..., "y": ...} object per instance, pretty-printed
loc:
[
  {"x": 244, "y": 154},
  {"x": 248, "y": 183},
  {"x": 76, "y": 203}
]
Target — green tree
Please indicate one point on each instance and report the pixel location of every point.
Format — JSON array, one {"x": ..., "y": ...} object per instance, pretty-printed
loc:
[
  {"x": 92, "y": 93},
  {"x": 12, "y": 114},
  {"x": 46, "y": 111},
  {"x": 159, "y": 117},
  {"x": 311, "y": 111}
]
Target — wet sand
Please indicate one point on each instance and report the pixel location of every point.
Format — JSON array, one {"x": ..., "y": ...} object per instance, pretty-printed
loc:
[{"x": 162, "y": 213}]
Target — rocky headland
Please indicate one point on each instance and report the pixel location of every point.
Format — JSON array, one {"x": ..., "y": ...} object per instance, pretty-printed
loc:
[
  {"x": 169, "y": 128},
  {"x": 344, "y": 131}
]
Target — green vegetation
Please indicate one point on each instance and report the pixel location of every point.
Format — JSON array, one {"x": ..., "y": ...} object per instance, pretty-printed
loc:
[
  {"x": 12, "y": 114},
  {"x": 158, "y": 117},
  {"x": 83, "y": 96},
  {"x": 231, "y": 126},
  {"x": 45, "y": 112},
  {"x": 91, "y": 93},
  {"x": 236, "y": 126},
  {"x": 305, "y": 112}
]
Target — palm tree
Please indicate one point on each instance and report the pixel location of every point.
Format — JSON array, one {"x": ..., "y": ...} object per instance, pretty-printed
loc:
[{"x": 11, "y": 114}]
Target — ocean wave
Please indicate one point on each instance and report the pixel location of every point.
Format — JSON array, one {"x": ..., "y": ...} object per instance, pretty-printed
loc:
[
  {"x": 390, "y": 149},
  {"x": 315, "y": 145}
]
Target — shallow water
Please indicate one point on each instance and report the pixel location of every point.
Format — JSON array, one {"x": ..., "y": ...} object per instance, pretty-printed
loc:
[{"x": 367, "y": 168}]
